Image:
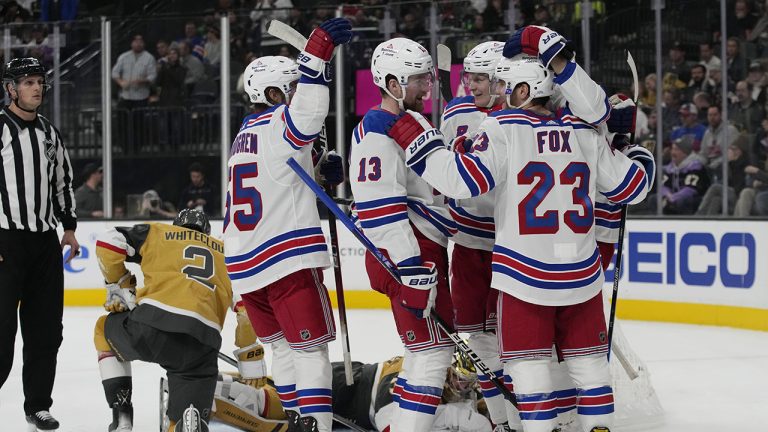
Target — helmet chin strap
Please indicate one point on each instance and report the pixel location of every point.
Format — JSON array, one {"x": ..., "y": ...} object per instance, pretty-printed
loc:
[{"x": 399, "y": 100}]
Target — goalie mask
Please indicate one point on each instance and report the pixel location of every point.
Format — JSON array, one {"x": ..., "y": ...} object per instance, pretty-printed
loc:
[
  {"x": 270, "y": 71},
  {"x": 193, "y": 219},
  {"x": 19, "y": 68},
  {"x": 483, "y": 59},
  {"x": 401, "y": 58},
  {"x": 525, "y": 69},
  {"x": 462, "y": 378}
]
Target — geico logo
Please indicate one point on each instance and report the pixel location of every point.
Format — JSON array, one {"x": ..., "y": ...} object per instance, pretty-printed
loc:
[
  {"x": 698, "y": 258},
  {"x": 422, "y": 281}
]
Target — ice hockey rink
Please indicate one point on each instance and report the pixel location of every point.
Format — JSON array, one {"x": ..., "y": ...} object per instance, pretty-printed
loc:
[{"x": 708, "y": 379}]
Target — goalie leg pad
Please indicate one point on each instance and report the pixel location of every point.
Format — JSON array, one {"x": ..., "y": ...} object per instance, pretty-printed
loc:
[
  {"x": 595, "y": 396},
  {"x": 423, "y": 388},
  {"x": 535, "y": 396}
]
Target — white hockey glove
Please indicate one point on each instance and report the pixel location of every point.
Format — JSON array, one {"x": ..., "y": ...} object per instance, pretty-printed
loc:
[
  {"x": 250, "y": 362},
  {"x": 121, "y": 295},
  {"x": 419, "y": 288}
]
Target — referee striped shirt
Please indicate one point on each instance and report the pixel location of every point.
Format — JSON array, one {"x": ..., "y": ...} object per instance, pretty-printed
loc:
[{"x": 35, "y": 176}]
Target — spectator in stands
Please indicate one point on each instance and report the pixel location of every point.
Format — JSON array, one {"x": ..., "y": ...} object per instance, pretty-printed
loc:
[
  {"x": 297, "y": 20},
  {"x": 162, "y": 52},
  {"x": 759, "y": 34},
  {"x": 39, "y": 46},
  {"x": 193, "y": 65},
  {"x": 541, "y": 16},
  {"x": 738, "y": 160},
  {"x": 716, "y": 76},
  {"x": 134, "y": 72},
  {"x": 758, "y": 79},
  {"x": 198, "y": 194},
  {"x": 702, "y": 101},
  {"x": 153, "y": 207},
  {"x": 58, "y": 10},
  {"x": 265, "y": 11},
  {"x": 648, "y": 93},
  {"x": 760, "y": 146},
  {"x": 213, "y": 46},
  {"x": 689, "y": 125},
  {"x": 10, "y": 11},
  {"x": 170, "y": 81},
  {"x": 685, "y": 179},
  {"x": 745, "y": 113},
  {"x": 699, "y": 82},
  {"x": 676, "y": 63},
  {"x": 88, "y": 199},
  {"x": 249, "y": 57},
  {"x": 708, "y": 58},
  {"x": 412, "y": 26},
  {"x": 735, "y": 60},
  {"x": 741, "y": 22},
  {"x": 493, "y": 15},
  {"x": 718, "y": 131},
  {"x": 193, "y": 40},
  {"x": 670, "y": 110},
  {"x": 753, "y": 200}
]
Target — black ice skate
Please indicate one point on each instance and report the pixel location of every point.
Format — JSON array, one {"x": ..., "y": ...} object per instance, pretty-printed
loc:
[
  {"x": 308, "y": 424},
  {"x": 294, "y": 424},
  {"x": 42, "y": 421},
  {"x": 122, "y": 418},
  {"x": 503, "y": 427},
  {"x": 191, "y": 421}
]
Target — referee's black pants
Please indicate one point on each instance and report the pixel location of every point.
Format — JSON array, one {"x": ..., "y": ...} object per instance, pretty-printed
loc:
[{"x": 32, "y": 280}]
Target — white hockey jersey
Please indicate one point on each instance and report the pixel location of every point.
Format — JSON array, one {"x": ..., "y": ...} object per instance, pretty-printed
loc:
[
  {"x": 473, "y": 216},
  {"x": 271, "y": 224},
  {"x": 389, "y": 196},
  {"x": 547, "y": 171}
]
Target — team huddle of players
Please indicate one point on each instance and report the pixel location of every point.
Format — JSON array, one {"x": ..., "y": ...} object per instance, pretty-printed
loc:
[{"x": 525, "y": 176}]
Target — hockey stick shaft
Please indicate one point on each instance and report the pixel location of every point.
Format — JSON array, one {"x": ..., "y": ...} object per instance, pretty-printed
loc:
[
  {"x": 622, "y": 225},
  {"x": 392, "y": 270},
  {"x": 289, "y": 35},
  {"x": 444, "y": 71}
]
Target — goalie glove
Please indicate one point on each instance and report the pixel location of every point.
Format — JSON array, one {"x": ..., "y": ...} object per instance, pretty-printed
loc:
[
  {"x": 250, "y": 362},
  {"x": 418, "y": 289},
  {"x": 121, "y": 295},
  {"x": 313, "y": 61},
  {"x": 417, "y": 137}
]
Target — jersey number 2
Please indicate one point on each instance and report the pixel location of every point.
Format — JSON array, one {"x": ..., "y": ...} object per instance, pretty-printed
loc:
[
  {"x": 548, "y": 222},
  {"x": 200, "y": 274},
  {"x": 245, "y": 220}
]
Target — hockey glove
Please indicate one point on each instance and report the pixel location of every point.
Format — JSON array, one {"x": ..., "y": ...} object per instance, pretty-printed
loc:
[
  {"x": 121, "y": 295},
  {"x": 622, "y": 118},
  {"x": 250, "y": 362},
  {"x": 417, "y": 137},
  {"x": 536, "y": 41},
  {"x": 619, "y": 142},
  {"x": 462, "y": 144},
  {"x": 419, "y": 288},
  {"x": 244, "y": 334},
  {"x": 642, "y": 155},
  {"x": 332, "y": 169},
  {"x": 313, "y": 61}
]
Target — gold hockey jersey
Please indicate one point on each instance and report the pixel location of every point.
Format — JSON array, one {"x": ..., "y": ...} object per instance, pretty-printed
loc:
[{"x": 186, "y": 287}]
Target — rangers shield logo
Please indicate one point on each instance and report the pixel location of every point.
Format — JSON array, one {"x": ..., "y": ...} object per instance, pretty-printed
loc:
[
  {"x": 305, "y": 334},
  {"x": 50, "y": 149}
]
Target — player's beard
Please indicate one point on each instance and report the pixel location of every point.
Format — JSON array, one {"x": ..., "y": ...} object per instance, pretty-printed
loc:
[{"x": 415, "y": 104}]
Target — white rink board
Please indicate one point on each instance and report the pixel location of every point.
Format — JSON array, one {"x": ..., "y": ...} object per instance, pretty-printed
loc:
[{"x": 689, "y": 261}]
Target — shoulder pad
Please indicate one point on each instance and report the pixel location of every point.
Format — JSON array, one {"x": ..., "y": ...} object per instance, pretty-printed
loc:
[
  {"x": 460, "y": 105},
  {"x": 374, "y": 121},
  {"x": 460, "y": 100},
  {"x": 257, "y": 119}
]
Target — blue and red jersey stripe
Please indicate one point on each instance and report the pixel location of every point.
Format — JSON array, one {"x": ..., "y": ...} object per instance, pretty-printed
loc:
[
  {"x": 274, "y": 250},
  {"x": 633, "y": 184}
]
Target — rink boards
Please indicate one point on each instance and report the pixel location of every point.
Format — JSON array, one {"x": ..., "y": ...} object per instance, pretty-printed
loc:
[{"x": 689, "y": 271}]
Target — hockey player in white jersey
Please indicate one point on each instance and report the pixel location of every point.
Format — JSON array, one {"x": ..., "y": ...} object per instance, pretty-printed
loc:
[
  {"x": 404, "y": 217},
  {"x": 473, "y": 242},
  {"x": 275, "y": 250},
  {"x": 545, "y": 260}
]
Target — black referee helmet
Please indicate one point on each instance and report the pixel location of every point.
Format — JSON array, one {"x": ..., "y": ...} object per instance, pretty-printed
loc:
[
  {"x": 19, "y": 68},
  {"x": 193, "y": 219}
]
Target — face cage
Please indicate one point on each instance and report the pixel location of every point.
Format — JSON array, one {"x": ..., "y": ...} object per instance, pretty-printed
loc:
[{"x": 463, "y": 384}]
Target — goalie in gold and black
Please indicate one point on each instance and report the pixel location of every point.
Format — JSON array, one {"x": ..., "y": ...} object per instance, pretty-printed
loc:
[{"x": 175, "y": 320}]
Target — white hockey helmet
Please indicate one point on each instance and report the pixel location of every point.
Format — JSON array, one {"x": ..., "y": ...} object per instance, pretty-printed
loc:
[
  {"x": 270, "y": 71},
  {"x": 401, "y": 58},
  {"x": 525, "y": 69},
  {"x": 483, "y": 59}
]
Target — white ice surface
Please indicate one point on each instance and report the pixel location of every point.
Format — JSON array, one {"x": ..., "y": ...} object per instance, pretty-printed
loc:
[{"x": 708, "y": 379}]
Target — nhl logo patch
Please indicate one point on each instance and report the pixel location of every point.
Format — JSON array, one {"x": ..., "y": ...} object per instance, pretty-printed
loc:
[
  {"x": 305, "y": 334},
  {"x": 410, "y": 335},
  {"x": 50, "y": 149},
  {"x": 603, "y": 338}
]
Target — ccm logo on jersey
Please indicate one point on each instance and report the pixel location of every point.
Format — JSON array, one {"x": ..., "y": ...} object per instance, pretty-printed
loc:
[
  {"x": 555, "y": 141},
  {"x": 425, "y": 280},
  {"x": 431, "y": 133}
]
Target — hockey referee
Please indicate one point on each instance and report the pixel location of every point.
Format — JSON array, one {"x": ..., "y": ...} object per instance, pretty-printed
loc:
[{"x": 35, "y": 194}]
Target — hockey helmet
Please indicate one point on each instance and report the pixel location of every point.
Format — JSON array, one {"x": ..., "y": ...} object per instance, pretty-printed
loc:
[
  {"x": 525, "y": 69},
  {"x": 23, "y": 67},
  {"x": 270, "y": 71},
  {"x": 462, "y": 376},
  {"x": 401, "y": 58},
  {"x": 193, "y": 219},
  {"x": 483, "y": 59}
]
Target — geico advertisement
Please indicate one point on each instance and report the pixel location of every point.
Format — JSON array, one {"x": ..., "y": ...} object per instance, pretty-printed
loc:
[{"x": 712, "y": 262}]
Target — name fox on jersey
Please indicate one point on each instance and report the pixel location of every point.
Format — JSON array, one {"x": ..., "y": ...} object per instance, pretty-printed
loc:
[
  {"x": 556, "y": 141},
  {"x": 195, "y": 236},
  {"x": 246, "y": 143}
]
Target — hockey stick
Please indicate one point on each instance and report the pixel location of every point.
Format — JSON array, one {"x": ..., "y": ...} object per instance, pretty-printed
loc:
[
  {"x": 337, "y": 418},
  {"x": 288, "y": 34},
  {"x": 444, "y": 71},
  {"x": 462, "y": 346},
  {"x": 622, "y": 226}
]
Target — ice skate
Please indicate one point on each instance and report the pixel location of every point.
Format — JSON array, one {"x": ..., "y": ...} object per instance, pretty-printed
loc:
[
  {"x": 503, "y": 427},
  {"x": 122, "y": 419}
]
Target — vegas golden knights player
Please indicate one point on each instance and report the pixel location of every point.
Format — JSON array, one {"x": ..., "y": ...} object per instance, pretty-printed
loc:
[{"x": 175, "y": 320}]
